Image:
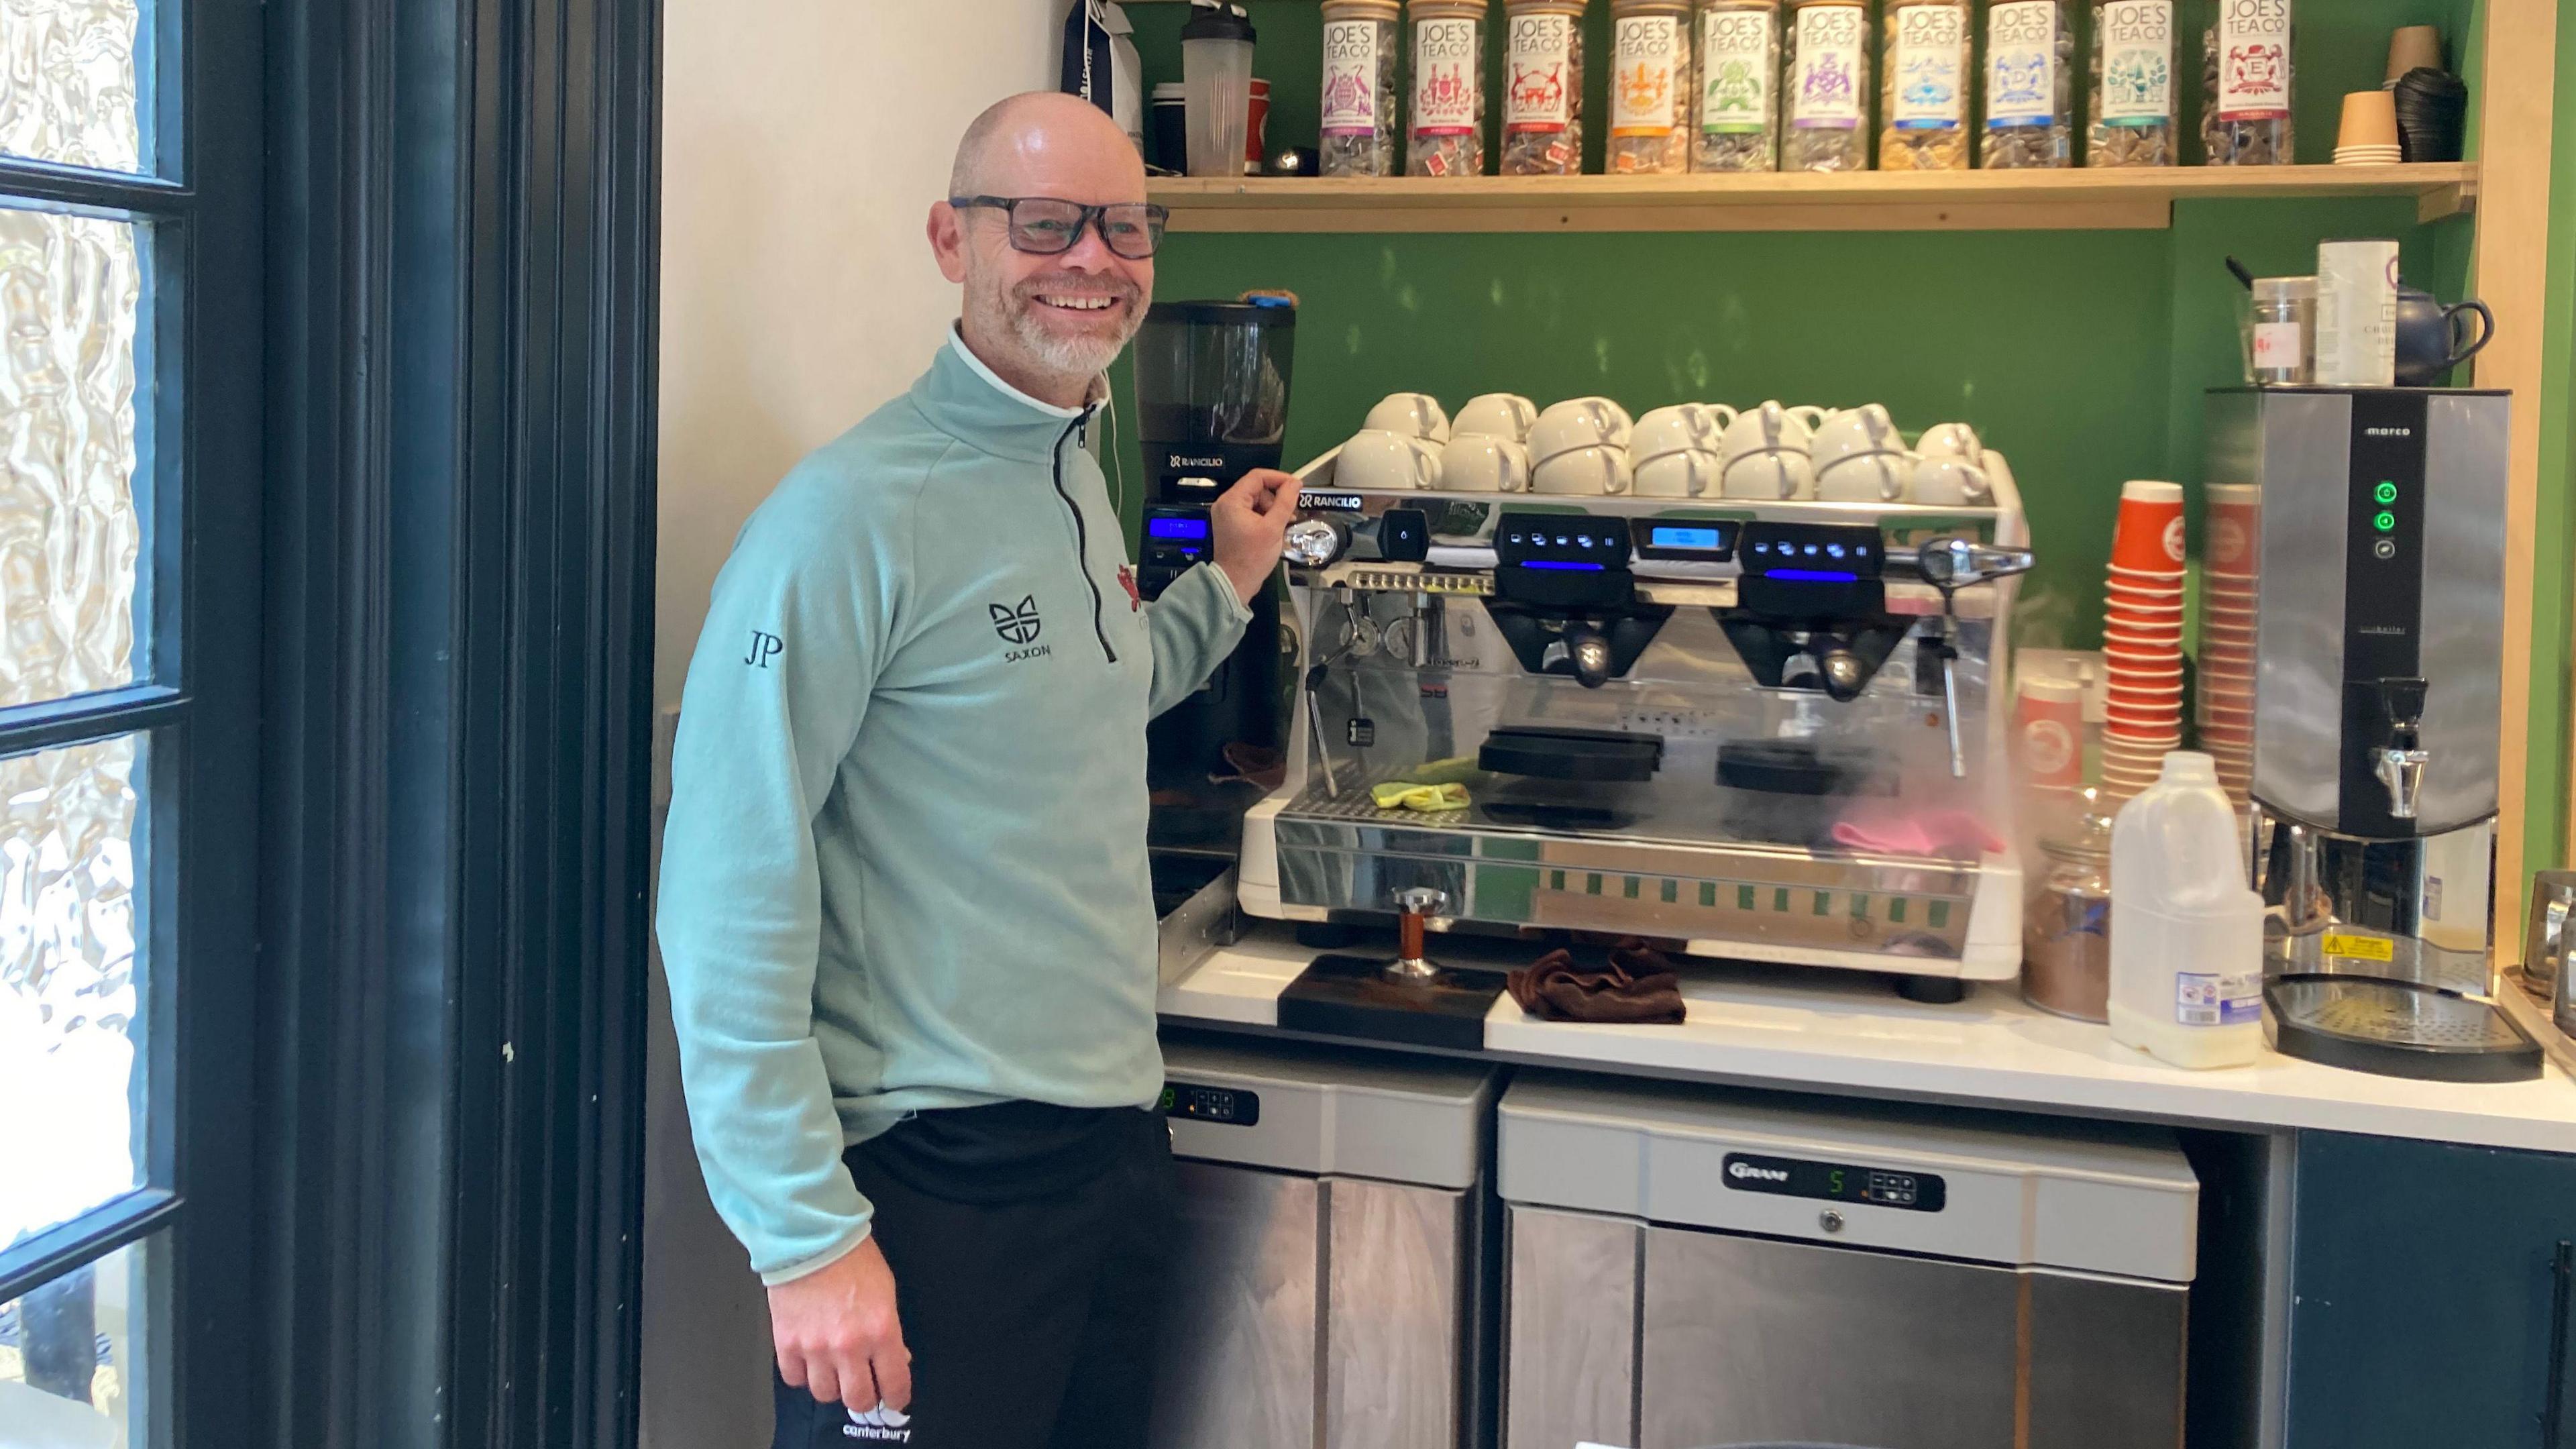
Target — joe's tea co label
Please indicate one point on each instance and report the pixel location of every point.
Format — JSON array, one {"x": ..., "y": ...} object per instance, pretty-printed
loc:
[
  {"x": 1826, "y": 90},
  {"x": 1444, "y": 77},
  {"x": 1735, "y": 67},
  {"x": 1350, "y": 77},
  {"x": 1647, "y": 82},
  {"x": 2253, "y": 60},
  {"x": 1536, "y": 64},
  {"x": 1931, "y": 68},
  {"x": 2137, "y": 62},
  {"x": 2021, "y": 63}
]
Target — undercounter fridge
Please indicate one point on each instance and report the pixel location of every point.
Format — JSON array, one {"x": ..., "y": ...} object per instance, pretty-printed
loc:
[
  {"x": 1693, "y": 1268},
  {"x": 1331, "y": 1281}
]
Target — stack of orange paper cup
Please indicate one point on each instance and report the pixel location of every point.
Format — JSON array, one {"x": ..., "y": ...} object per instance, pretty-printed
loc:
[
  {"x": 2142, "y": 638},
  {"x": 2225, "y": 714}
]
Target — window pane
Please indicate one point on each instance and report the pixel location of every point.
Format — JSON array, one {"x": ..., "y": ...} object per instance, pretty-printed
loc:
[
  {"x": 73, "y": 1354},
  {"x": 71, "y": 1041},
  {"x": 70, "y": 298},
  {"x": 67, "y": 82}
]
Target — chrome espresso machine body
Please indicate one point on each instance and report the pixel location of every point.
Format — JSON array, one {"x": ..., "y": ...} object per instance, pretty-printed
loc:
[
  {"x": 2378, "y": 685},
  {"x": 1757, "y": 730}
]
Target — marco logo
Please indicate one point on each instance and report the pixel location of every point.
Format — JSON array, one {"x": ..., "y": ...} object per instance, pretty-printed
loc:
[
  {"x": 1016, "y": 623},
  {"x": 879, "y": 1425},
  {"x": 1746, "y": 1171}
]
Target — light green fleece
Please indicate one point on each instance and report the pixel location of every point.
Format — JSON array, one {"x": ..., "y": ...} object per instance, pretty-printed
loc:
[{"x": 905, "y": 862}]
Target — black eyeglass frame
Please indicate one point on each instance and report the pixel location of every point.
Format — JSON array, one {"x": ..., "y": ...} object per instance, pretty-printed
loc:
[{"x": 1091, "y": 217}]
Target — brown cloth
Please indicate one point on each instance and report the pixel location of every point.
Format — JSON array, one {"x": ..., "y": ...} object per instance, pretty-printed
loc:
[{"x": 1639, "y": 985}]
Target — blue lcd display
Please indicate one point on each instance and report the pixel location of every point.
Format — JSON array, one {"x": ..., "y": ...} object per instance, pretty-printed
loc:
[
  {"x": 1683, "y": 537},
  {"x": 1176, "y": 528}
]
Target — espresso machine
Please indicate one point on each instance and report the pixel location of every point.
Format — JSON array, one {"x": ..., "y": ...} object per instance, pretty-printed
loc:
[
  {"x": 1760, "y": 730},
  {"x": 1211, "y": 405},
  {"x": 2378, "y": 676}
]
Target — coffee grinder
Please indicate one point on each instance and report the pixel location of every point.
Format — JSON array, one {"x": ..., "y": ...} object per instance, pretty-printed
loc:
[
  {"x": 2378, "y": 676},
  {"x": 1211, "y": 405}
]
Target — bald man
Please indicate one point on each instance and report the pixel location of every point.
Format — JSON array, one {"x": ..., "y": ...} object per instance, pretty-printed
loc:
[{"x": 904, "y": 908}]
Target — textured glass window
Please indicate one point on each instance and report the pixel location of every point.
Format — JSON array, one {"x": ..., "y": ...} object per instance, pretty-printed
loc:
[
  {"x": 71, "y": 1064},
  {"x": 67, "y": 82},
  {"x": 73, "y": 1355},
  {"x": 70, "y": 300}
]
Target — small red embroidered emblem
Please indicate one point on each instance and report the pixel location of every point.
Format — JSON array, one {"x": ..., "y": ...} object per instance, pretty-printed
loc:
[{"x": 1127, "y": 581}]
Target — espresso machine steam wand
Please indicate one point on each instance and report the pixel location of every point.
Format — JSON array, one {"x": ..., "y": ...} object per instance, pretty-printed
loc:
[{"x": 1949, "y": 565}]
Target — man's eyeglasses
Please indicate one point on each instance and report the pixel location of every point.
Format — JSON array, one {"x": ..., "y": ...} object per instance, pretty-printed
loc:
[{"x": 1045, "y": 226}]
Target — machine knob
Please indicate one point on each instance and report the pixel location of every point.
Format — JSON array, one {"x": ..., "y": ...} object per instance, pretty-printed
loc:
[
  {"x": 1591, "y": 655},
  {"x": 1844, "y": 675},
  {"x": 1315, "y": 542}
]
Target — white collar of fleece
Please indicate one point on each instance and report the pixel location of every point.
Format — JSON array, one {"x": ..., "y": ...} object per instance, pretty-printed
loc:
[{"x": 1099, "y": 385}]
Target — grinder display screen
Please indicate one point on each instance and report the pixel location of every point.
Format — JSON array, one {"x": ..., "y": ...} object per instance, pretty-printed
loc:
[
  {"x": 1921, "y": 1192},
  {"x": 1169, "y": 527}
]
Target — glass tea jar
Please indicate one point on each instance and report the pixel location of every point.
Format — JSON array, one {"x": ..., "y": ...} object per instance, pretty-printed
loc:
[
  {"x": 1357, "y": 133},
  {"x": 2030, "y": 86},
  {"x": 2066, "y": 921},
  {"x": 2281, "y": 331},
  {"x": 1650, "y": 87},
  {"x": 1542, "y": 87},
  {"x": 2246, "y": 74},
  {"x": 1739, "y": 90},
  {"x": 2132, "y": 90},
  {"x": 1923, "y": 90},
  {"x": 1824, "y": 78},
  {"x": 1447, "y": 109}
]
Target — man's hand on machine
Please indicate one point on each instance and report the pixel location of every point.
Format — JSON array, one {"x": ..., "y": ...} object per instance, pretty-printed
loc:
[
  {"x": 1250, "y": 523},
  {"x": 837, "y": 1335}
]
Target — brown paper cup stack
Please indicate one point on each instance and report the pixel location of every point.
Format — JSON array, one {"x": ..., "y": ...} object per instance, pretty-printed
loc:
[
  {"x": 2225, "y": 713},
  {"x": 2142, "y": 637}
]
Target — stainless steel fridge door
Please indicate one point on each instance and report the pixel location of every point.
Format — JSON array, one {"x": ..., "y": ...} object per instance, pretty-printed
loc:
[
  {"x": 1239, "y": 1338},
  {"x": 1571, "y": 1342},
  {"x": 1239, "y": 1361},
  {"x": 1753, "y": 1340}
]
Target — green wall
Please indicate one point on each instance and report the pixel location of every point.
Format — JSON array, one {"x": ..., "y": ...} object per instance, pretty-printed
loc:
[{"x": 2544, "y": 838}]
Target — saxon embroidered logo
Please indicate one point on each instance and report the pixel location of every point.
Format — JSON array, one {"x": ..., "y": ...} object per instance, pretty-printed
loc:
[{"x": 1016, "y": 623}]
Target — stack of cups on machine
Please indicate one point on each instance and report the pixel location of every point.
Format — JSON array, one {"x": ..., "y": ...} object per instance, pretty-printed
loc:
[
  {"x": 2142, "y": 638},
  {"x": 2226, "y": 706}
]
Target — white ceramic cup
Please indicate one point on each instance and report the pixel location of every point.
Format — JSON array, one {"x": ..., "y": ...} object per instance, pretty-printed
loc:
[
  {"x": 1852, "y": 433},
  {"x": 1476, "y": 464},
  {"x": 1765, "y": 429},
  {"x": 1495, "y": 415},
  {"x": 1951, "y": 440},
  {"x": 1595, "y": 470},
  {"x": 1414, "y": 414},
  {"x": 1379, "y": 461},
  {"x": 1688, "y": 474},
  {"x": 1948, "y": 481},
  {"x": 1769, "y": 474},
  {"x": 1681, "y": 428},
  {"x": 1864, "y": 478},
  {"x": 1580, "y": 422}
]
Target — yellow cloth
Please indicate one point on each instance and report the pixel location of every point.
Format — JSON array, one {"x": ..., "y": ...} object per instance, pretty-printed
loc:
[{"x": 1403, "y": 794}]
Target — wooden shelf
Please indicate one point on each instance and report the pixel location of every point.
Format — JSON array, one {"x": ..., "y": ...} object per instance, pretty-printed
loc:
[{"x": 2071, "y": 200}]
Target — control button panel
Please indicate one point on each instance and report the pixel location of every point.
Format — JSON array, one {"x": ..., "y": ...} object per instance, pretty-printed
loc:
[
  {"x": 1921, "y": 1192},
  {"x": 1561, "y": 542},
  {"x": 1177, "y": 536},
  {"x": 1225, "y": 1106},
  {"x": 1812, "y": 552}
]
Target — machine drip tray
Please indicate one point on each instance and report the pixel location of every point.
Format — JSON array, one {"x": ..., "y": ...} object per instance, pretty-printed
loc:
[
  {"x": 1341, "y": 995},
  {"x": 2396, "y": 1029}
]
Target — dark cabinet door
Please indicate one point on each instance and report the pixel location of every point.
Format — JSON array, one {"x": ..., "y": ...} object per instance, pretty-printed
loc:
[{"x": 2429, "y": 1301}]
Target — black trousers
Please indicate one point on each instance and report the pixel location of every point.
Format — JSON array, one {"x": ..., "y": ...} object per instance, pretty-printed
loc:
[{"x": 1028, "y": 1245}]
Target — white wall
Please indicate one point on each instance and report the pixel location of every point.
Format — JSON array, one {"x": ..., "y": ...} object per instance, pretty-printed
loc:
[{"x": 803, "y": 142}]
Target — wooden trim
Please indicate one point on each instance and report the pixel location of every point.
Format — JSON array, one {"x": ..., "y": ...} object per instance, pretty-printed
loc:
[
  {"x": 2513, "y": 277},
  {"x": 1778, "y": 201}
]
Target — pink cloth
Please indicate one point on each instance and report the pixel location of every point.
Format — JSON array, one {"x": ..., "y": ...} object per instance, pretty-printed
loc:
[{"x": 1935, "y": 832}]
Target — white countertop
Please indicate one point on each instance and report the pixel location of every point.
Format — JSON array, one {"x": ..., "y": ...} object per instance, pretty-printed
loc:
[{"x": 1832, "y": 1031}]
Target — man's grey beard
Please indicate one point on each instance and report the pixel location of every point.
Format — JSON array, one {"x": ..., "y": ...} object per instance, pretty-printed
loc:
[{"x": 1082, "y": 358}]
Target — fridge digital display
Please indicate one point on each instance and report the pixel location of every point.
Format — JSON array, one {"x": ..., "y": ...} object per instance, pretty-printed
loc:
[
  {"x": 1921, "y": 1192},
  {"x": 1225, "y": 1106}
]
